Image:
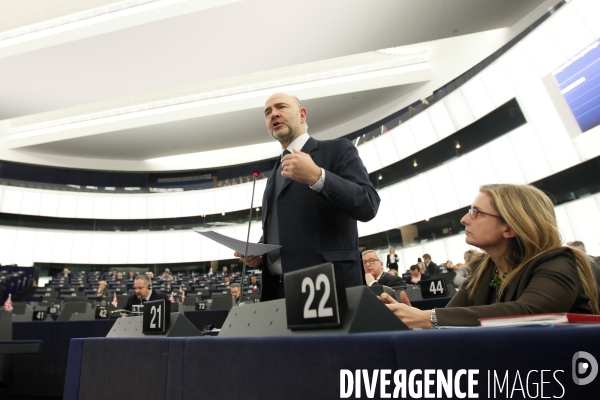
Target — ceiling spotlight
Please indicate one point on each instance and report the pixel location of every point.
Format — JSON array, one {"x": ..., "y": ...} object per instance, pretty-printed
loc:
[
  {"x": 426, "y": 219},
  {"x": 457, "y": 145},
  {"x": 222, "y": 213},
  {"x": 415, "y": 163},
  {"x": 380, "y": 177},
  {"x": 257, "y": 208}
]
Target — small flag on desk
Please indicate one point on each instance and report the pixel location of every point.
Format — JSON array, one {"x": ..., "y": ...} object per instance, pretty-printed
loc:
[
  {"x": 182, "y": 293},
  {"x": 171, "y": 298},
  {"x": 8, "y": 304},
  {"x": 114, "y": 302}
]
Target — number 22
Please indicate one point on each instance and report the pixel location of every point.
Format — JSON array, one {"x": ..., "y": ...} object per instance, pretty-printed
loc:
[{"x": 322, "y": 311}]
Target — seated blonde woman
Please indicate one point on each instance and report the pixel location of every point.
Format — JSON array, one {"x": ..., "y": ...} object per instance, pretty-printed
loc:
[
  {"x": 464, "y": 270},
  {"x": 525, "y": 269}
]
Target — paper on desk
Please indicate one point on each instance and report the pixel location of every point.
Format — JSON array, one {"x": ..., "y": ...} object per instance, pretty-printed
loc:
[{"x": 254, "y": 249}]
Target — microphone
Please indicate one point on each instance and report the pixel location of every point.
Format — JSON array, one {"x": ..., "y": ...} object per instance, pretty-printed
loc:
[{"x": 255, "y": 173}]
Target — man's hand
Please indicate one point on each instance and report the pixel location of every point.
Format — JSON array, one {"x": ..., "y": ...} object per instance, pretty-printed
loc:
[
  {"x": 300, "y": 167},
  {"x": 369, "y": 278},
  {"x": 251, "y": 261}
]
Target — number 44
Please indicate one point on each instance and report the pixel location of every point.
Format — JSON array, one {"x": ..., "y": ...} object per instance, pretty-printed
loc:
[{"x": 434, "y": 289}]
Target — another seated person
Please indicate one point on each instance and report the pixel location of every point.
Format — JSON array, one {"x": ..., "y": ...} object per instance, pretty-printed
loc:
[
  {"x": 102, "y": 290},
  {"x": 374, "y": 274},
  {"x": 393, "y": 272},
  {"x": 256, "y": 286},
  {"x": 235, "y": 292},
  {"x": 227, "y": 281},
  {"x": 525, "y": 270},
  {"x": 131, "y": 276},
  {"x": 119, "y": 277},
  {"x": 449, "y": 266},
  {"x": 422, "y": 266},
  {"x": 415, "y": 275},
  {"x": 431, "y": 268},
  {"x": 143, "y": 292},
  {"x": 464, "y": 271},
  {"x": 577, "y": 244},
  {"x": 166, "y": 276}
]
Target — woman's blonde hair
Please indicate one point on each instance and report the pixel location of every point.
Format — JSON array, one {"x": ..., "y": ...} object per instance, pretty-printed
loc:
[{"x": 530, "y": 214}]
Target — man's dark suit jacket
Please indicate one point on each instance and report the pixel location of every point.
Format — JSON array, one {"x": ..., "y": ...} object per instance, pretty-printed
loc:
[
  {"x": 390, "y": 280},
  {"x": 432, "y": 268},
  {"x": 315, "y": 228},
  {"x": 154, "y": 296}
]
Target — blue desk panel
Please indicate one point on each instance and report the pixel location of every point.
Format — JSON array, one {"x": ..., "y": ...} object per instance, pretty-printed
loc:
[
  {"x": 308, "y": 367},
  {"x": 50, "y": 366}
]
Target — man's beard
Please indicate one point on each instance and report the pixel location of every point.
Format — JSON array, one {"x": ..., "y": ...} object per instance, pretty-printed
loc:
[{"x": 284, "y": 136}]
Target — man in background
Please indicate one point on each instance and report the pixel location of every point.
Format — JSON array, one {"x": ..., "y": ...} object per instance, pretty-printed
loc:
[
  {"x": 235, "y": 292},
  {"x": 430, "y": 266},
  {"x": 143, "y": 293},
  {"x": 374, "y": 274}
]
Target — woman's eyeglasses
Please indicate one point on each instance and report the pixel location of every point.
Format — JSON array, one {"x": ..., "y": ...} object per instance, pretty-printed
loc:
[{"x": 474, "y": 213}]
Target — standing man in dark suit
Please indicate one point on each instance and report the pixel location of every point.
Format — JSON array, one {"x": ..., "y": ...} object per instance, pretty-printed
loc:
[
  {"x": 430, "y": 266},
  {"x": 374, "y": 274},
  {"x": 143, "y": 292},
  {"x": 315, "y": 195}
]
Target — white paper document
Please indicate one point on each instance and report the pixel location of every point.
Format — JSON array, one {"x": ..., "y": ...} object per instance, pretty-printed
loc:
[{"x": 254, "y": 249}]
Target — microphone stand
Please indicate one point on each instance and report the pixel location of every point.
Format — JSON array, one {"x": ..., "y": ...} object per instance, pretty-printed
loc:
[{"x": 254, "y": 175}]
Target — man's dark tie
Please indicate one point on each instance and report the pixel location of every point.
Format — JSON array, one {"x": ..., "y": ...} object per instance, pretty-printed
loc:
[{"x": 273, "y": 229}]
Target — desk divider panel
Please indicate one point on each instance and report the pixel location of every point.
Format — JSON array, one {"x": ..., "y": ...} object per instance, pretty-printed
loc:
[{"x": 123, "y": 368}]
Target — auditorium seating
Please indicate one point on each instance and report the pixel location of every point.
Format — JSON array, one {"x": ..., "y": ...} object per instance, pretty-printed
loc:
[
  {"x": 81, "y": 288},
  {"x": 15, "y": 280}
]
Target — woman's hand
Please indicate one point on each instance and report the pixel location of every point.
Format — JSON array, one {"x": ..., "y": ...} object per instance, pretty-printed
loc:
[{"x": 412, "y": 317}]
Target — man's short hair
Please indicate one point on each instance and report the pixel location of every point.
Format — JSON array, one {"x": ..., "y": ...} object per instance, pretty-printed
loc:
[
  {"x": 372, "y": 251},
  {"x": 144, "y": 278},
  {"x": 577, "y": 243},
  {"x": 426, "y": 255},
  {"x": 415, "y": 268},
  {"x": 298, "y": 102},
  {"x": 102, "y": 282},
  {"x": 237, "y": 285}
]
